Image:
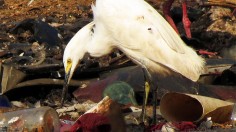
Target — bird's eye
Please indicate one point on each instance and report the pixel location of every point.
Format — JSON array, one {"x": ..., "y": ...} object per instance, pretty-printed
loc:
[
  {"x": 92, "y": 30},
  {"x": 69, "y": 61}
]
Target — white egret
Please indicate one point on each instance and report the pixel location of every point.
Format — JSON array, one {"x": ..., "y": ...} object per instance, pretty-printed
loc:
[{"x": 139, "y": 31}]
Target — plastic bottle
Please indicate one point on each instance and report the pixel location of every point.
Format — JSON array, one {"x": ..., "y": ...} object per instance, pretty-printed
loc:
[{"x": 43, "y": 119}]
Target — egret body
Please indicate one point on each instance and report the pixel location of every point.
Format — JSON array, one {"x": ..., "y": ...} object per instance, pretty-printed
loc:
[{"x": 139, "y": 31}]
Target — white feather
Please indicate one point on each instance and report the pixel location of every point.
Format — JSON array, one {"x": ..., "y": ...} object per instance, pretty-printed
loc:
[{"x": 138, "y": 30}]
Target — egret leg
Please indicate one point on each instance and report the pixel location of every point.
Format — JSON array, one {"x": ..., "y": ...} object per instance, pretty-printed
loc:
[
  {"x": 145, "y": 98},
  {"x": 166, "y": 12},
  {"x": 185, "y": 20},
  {"x": 149, "y": 79}
]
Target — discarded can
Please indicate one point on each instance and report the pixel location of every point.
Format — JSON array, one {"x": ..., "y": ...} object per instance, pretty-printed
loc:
[{"x": 43, "y": 119}]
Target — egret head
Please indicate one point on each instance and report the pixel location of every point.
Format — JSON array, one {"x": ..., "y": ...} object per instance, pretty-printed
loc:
[{"x": 74, "y": 53}]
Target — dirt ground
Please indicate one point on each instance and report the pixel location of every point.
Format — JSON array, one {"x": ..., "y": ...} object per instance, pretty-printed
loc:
[
  {"x": 69, "y": 11},
  {"x": 17, "y": 10}
]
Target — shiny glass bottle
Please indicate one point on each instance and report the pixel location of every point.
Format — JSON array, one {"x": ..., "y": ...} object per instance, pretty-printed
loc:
[{"x": 43, "y": 119}]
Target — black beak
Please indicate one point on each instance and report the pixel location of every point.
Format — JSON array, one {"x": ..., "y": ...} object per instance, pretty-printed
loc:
[{"x": 65, "y": 88}]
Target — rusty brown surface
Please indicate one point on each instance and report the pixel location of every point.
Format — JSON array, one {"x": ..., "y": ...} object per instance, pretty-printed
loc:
[{"x": 19, "y": 9}]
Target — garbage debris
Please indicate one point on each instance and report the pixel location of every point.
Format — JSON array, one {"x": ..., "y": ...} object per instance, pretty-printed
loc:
[
  {"x": 33, "y": 35},
  {"x": 174, "y": 126},
  {"x": 218, "y": 91},
  {"x": 233, "y": 116},
  {"x": 121, "y": 92},
  {"x": 42, "y": 32},
  {"x": 34, "y": 119},
  {"x": 76, "y": 108},
  {"x": 206, "y": 124},
  {"x": 4, "y": 101},
  {"x": 10, "y": 77},
  {"x": 194, "y": 108},
  {"x": 228, "y": 77},
  {"x": 133, "y": 75},
  {"x": 94, "y": 117}
]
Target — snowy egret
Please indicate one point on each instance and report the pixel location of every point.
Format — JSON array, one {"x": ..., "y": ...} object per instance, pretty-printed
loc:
[{"x": 140, "y": 32}]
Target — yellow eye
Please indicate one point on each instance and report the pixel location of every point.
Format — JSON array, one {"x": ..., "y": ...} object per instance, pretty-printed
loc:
[{"x": 69, "y": 61}]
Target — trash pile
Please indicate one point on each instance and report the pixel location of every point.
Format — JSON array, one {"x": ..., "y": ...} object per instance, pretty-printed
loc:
[{"x": 106, "y": 94}]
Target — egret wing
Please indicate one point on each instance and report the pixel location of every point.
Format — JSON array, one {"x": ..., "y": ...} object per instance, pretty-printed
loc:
[
  {"x": 166, "y": 32},
  {"x": 122, "y": 12},
  {"x": 143, "y": 34}
]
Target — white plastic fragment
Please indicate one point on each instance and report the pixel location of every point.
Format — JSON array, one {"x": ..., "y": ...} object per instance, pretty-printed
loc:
[{"x": 14, "y": 119}]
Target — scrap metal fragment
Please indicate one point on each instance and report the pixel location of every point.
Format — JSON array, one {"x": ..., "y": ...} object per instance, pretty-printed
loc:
[{"x": 10, "y": 77}]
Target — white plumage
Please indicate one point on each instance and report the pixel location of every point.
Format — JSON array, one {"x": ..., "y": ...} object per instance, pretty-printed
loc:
[
  {"x": 137, "y": 29},
  {"x": 143, "y": 34}
]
